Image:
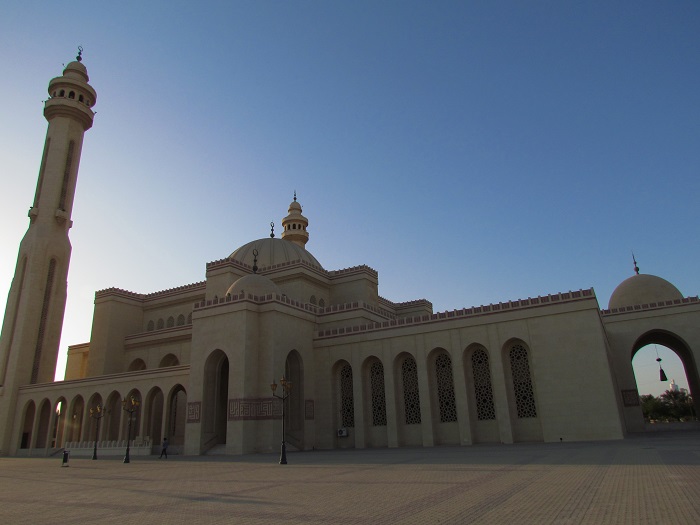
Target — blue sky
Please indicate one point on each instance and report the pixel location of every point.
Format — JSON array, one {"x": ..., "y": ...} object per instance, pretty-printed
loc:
[{"x": 470, "y": 152}]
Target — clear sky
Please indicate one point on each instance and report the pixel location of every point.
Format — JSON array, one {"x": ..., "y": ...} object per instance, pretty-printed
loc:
[{"x": 470, "y": 152}]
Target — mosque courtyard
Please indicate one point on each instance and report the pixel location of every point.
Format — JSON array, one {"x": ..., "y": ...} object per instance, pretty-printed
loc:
[{"x": 646, "y": 478}]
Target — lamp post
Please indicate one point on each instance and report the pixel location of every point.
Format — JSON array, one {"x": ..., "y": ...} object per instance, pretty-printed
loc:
[
  {"x": 286, "y": 387},
  {"x": 130, "y": 406},
  {"x": 96, "y": 413}
]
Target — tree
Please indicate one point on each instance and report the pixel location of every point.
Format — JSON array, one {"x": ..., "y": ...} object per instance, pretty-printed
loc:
[
  {"x": 653, "y": 408},
  {"x": 679, "y": 405}
]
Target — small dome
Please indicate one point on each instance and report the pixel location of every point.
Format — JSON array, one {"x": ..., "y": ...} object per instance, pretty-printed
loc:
[
  {"x": 77, "y": 70},
  {"x": 254, "y": 284},
  {"x": 643, "y": 289},
  {"x": 273, "y": 251}
]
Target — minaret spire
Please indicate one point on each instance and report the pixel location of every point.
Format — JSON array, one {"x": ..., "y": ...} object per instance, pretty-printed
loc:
[
  {"x": 31, "y": 330},
  {"x": 294, "y": 224}
]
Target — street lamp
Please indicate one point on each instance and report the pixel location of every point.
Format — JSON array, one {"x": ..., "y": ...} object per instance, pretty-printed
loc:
[
  {"x": 96, "y": 413},
  {"x": 130, "y": 406},
  {"x": 286, "y": 387}
]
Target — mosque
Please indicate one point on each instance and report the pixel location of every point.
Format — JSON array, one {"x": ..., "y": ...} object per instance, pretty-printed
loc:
[{"x": 195, "y": 363}]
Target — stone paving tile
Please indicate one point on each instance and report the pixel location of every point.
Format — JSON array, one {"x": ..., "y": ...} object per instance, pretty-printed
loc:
[{"x": 641, "y": 480}]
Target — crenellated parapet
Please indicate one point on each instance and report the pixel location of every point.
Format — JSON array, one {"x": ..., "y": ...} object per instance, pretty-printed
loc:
[
  {"x": 650, "y": 306},
  {"x": 475, "y": 311},
  {"x": 362, "y": 268},
  {"x": 119, "y": 292}
]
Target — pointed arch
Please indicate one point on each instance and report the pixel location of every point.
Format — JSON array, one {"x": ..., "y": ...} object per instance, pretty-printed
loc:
[
  {"x": 76, "y": 412},
  {"x": 111, "y": 421},
  {"x": 91, "y": 430},
  {"x": 175, "y": 417},
  {"x": 682, "y": 349},
  {"x": 409, "y": 417},
  {"x": 521, "y": 392},
  {"x": 442, "y": 396},
  {"x": 169, "y": 360},
  {"x": 60, "y": 409},
  {"x": 153, "y": 416},
  {"x": 480, "y": 396},
  {"x": 135, "y": 417},
  {"x": 343, "y": 404},
  {"x": 28, "y": 414},
  {"x": 42, "y": 432},
  {"x": 136, "y": 365},
  {"x": 375, "y": 402},
  {"x": 215, "y": 402}
]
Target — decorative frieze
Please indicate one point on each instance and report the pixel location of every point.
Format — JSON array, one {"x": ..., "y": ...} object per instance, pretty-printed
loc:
[{"x": 246, "y": 409}]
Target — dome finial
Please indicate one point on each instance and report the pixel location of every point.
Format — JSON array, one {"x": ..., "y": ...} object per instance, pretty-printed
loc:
[
  {"x": 272, "y": 230},
  {"x": 636, "y": 268},
  {"x": 255, "y": 261},
  {"x": 295, "y": 195},
  {"x": 79, "y": 58}
]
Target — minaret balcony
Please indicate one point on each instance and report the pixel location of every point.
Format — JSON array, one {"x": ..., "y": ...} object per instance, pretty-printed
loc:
[{"x": 65, "y": 107}]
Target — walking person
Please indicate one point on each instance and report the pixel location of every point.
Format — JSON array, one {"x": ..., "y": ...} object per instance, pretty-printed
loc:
[{"x": 164, "y": 451}]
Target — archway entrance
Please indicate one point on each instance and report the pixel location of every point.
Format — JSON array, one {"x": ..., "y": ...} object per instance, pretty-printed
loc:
[
  {"x": 216, "y": 373},
  {"x": 678, "y": 367}
]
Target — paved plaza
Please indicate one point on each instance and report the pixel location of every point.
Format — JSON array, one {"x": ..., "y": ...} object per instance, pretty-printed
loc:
[{"x": 653, "y": 478}]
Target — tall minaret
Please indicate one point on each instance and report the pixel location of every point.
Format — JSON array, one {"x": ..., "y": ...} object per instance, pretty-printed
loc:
[{"x": 31, "y": 330}]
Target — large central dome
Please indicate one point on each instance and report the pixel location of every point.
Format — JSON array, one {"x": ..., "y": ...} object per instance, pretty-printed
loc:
[{"x": 273, "y": 251}]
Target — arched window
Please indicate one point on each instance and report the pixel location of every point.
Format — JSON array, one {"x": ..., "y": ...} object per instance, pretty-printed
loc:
[
  {"x": 189, "y": 318},
  {"x": 71, "y": 94},
  {"x": 322, "y": 303},
  {"x": 313, "y": 299},
  {"x": 160, "y": 324},
  {"x": 483, "y": 392},
  {"x": 180, "y": 320},
  {"x": 80, "y": 98},
  {"x": 137, "y": 364},
  {"x": 347, "y": 400},
  {"x": 522, "y": 382},
  {"x": 151, "y": 325},
  {"x": 171, "y": 322},
  {"x": 63, "y": 93},
  {"x": 169, "y": 360},
  {"x": 376, "y": 375},
  {"x": 445, "y": 388},
  {"x": 411, "y": 395}
]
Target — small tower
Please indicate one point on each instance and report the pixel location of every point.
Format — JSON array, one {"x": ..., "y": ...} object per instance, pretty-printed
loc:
[
  {"x": 294, "y": 225},
  {"x": 31, "y": 330}
]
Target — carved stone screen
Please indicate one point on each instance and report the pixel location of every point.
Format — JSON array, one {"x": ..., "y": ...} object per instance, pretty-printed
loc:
[
  {"x": 482, "y": 386},
  {"x": 445, "y": 387},
  {"x": 347, "y": 401},
  {"x": 376, "y": 374},
  {"x": 522, "y": 382},
  {"x": 411, "y": 395}
]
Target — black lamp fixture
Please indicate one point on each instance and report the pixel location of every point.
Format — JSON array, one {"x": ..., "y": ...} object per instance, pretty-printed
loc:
[
  {"x": 286, "y": 388},
  {"x": 96, "y": 413},
  {"x": 130, "y": 406}
]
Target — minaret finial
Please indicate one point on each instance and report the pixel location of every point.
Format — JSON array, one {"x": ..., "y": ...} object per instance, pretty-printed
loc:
[
  {"x": 272, "y": 230},
  {"x": 255, "y": 261},
  {"x": 79, "y": 58},
  {"x": 295, "y": 195},
  {"x": 636, "y": 268}
]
